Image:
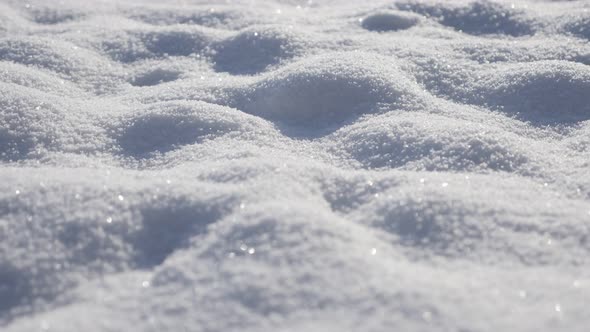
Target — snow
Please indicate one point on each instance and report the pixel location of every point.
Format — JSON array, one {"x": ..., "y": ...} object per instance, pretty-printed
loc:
[{"x": 294, "y": 165}]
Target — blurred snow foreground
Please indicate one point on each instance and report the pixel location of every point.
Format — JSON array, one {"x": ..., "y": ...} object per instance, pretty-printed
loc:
[{"x": 294, "y": 165}]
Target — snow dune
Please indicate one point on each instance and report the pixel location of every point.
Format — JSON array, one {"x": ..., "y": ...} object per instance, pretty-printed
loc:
[{"x": 294, "y": 165}]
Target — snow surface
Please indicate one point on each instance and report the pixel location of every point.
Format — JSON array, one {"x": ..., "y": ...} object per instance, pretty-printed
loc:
[{"x": 294, "y": 165}]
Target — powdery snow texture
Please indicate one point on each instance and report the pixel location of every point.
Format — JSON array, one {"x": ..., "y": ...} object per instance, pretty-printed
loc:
[{"x": 294, "y": 165}]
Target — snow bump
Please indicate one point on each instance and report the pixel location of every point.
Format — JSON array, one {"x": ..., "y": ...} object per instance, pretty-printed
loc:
[
  {"x": 324, "y": 90},
  {"x": 390, "y": 21}
]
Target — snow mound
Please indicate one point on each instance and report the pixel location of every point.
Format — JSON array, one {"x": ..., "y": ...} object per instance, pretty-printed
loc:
[
  {"x": 414, "y": 219},
  {"x": 155, "y": 77},
  {"x": 328, "y": 89},
  {"x": 254, "y": 50},
  {"x": 543, "y": 92},
  {"x": 43, "y": 53},
  {"x": 62, "y": 58},
  {"x": 474, "y": 17},
  {"x": 578, "y": 25},
  {"x": 167, "y": 126},
  {"x": 48, "y": 15},
  {"x": 26, "y": 76},
  {"x": 390, "y": 21},
  {"x": 175, "y": 42},
  {"x": 204, "y": 15},
  {"x": 34, "y": 122},
  {"x": 429, "y": 142}
]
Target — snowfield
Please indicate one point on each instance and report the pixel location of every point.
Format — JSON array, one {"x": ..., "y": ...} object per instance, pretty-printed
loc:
[{"x": 291, "y": 165}]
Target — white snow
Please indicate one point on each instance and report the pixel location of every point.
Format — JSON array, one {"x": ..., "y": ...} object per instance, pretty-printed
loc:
[{"x": 294, "y": 165}]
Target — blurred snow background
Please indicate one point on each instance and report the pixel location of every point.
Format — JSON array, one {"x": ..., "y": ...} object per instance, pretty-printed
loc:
[{"x": 294, "y": 165}]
